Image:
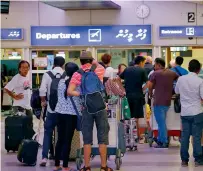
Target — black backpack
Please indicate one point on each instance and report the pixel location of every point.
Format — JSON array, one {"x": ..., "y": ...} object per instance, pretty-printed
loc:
[
  {"x": 36, "y": 103},
  {"x": 35, "y": 100},
  {"x": 53, "y": 97}
]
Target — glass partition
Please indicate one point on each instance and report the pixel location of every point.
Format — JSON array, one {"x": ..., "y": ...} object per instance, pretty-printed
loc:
[
  {"x": 122, "y": 55},
  {"x": 10, "y": 59},
  {"x": 48, "y": 56},
  {"x": 68, "y": 55}
]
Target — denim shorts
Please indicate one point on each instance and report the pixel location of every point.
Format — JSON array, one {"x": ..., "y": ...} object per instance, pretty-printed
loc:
[{"x": 101, "y": 121}]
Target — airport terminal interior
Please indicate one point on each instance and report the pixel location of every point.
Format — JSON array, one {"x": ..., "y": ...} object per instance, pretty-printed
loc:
[{"x": 41, "y": 31}]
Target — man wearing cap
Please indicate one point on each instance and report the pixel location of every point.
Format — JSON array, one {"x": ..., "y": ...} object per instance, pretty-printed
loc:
[{"x": 88, "y": 120}]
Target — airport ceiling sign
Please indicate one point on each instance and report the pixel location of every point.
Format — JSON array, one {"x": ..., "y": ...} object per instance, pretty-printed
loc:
[
  {"x": 180, "y": 31},
  {"x": 11, "y": 34},
  {"x": 91, "y": 35}
]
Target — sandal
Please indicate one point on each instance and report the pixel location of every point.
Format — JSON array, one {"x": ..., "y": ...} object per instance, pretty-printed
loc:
[
  {"x": 106, "y": 168},
  {"x": 85, "y": 169}
]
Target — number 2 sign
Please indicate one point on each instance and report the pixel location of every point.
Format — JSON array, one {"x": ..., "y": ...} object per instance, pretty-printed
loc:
[{"x": 191, "y": 17}]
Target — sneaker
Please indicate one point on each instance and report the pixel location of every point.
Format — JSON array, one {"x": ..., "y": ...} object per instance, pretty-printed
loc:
[
  {"x": 198, "y": 164},
  {"x": 161, "y": 145},
  {"x": 43, "y": 162},
  {"x": 157, "y": 141},
  {"x": 184, "y": 164}
]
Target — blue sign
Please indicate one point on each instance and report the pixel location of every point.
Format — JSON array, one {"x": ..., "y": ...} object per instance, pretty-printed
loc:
[
  {"x": 180, "y": 31},
  {"x": 11, "y": 34},
  {"x": 91, "y": 35}
]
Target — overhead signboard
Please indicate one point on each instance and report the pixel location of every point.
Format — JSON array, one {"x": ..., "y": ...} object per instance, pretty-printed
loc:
[
  {"x": 91, "y": 35},
  {"x": 11, "y": 34},
  {"x": 180, "y": 31}
]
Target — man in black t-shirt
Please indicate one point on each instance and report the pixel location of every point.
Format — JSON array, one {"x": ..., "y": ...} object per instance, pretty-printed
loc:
[
  {"x": 134, "y": 78},
  {"x": 132, "y": 58}
]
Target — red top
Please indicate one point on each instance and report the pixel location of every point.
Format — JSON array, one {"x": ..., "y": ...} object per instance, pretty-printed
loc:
[{"x": 76, "y": 78}]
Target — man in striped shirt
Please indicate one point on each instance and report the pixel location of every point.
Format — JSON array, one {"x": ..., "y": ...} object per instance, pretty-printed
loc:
[{"x": 88, "y": 120}]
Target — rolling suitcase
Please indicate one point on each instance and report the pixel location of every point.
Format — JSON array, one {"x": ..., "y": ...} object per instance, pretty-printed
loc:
[
  {"x": 121, "y": 137},
  {"x": 28, "y": 149},
  {"x": 27, "y": 152},
  {"x": 131, "y": 135},
  {"x": 16, "y": 129}
]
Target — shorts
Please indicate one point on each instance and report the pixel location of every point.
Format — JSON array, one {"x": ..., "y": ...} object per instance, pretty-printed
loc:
[
  {"x": 136, "y": 108},
  {"x": 101, "y": 121}
]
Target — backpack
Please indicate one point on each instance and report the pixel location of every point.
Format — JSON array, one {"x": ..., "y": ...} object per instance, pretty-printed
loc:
[
  {"x": 53, "y": 97},
  {"x": 35, "y": 100},
  {"x": 92, "y": 91},
  {"x": 36, "y": 103}
]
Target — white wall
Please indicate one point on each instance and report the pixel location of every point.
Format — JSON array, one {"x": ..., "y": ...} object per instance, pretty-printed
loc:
[
  {"x": 200, "y": 20},
  {"x": 24, "y": 14}
]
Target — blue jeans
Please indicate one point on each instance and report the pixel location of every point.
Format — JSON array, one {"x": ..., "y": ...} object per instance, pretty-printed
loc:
[
  {"x": 191, "y": 125},
  {"x": 160, "y": 116},
  {"x": 49, "y": 126}
]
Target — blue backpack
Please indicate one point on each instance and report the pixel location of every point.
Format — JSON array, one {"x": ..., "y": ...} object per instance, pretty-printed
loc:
[{"x": 92, "y": 91}]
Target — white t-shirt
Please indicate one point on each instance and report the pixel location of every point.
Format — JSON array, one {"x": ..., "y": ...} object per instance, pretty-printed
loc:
[
  {"x": 109, "y": 72},
  {"x": 20, "y": 84}
]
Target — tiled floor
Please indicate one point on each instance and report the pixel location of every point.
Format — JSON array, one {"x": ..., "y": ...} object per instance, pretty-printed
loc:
[{"x": 145, "y": 159}]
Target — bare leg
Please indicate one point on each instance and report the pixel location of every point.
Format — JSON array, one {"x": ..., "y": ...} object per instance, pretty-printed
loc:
[
  {"x": 103, "y": 154},
  {"x": 87, "y": 154}
]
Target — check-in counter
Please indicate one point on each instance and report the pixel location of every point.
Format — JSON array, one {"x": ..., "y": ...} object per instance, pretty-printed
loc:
[{"x": 173, "y": 121}]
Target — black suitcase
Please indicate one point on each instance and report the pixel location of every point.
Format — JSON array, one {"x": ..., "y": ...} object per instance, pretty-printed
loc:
[
  {"x": 17, "y": 128},
  {"x": 27, "y": 152},
  {"x": 28, "y": 149}
]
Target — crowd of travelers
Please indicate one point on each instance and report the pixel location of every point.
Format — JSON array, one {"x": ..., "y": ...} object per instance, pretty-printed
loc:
[{"x": 143, "y": 74}]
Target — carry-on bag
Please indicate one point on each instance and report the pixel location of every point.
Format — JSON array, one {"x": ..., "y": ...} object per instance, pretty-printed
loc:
[
  {"x": 75, "y": 145},
  {"x": 28, "y": 149},
  {"x": 27, "y": 152},
  {"x": 17, "y": 128},
  {"x": 114, "y": 87}
]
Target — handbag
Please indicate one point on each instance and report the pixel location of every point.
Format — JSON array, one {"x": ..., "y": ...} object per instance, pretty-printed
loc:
[
  {"x": 114, "y": 87},
  {"x": 125, "y": 109},
  {"x": 177, "y": 104},
  {"x": 79, "y": 117}
]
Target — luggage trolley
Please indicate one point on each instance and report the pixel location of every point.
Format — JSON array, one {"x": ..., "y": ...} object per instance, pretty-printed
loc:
[
  {"x": 114, "y": 115},
  {"x": 173, "y": 123}
]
